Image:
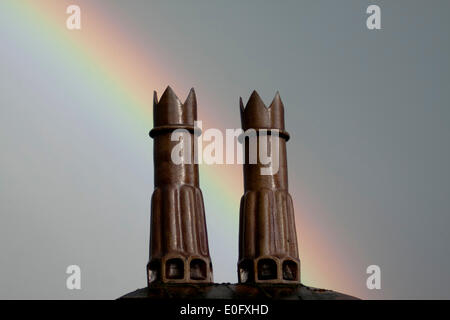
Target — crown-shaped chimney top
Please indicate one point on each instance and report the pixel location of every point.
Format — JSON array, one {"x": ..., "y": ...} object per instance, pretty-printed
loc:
[
  {"x": 255, "y": 115},
  {"x": 169, "y": 110}
]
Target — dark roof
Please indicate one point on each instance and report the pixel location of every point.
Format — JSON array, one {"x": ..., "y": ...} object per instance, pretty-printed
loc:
[{"x": 235, "y": 291}]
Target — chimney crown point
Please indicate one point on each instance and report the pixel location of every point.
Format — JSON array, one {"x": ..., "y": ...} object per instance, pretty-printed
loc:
[
  {"x": 170, "y": 111},
  {"x": 257, "y": 115}
]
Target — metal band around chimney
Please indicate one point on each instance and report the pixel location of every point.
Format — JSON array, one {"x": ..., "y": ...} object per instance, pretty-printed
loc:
[
  {"x": 172, "y": 127},
  {"x": 268, "y": 131}
]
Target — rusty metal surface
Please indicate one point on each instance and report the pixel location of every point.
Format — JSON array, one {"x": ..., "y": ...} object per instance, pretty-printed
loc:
[
  {"x": 236, "y": 292},
  {"x": 268, "y": 251},
  {"x": 179, "y": 250}
]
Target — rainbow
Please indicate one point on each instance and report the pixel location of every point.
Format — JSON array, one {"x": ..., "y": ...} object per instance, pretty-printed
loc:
[{"x": 115, "y": 67}]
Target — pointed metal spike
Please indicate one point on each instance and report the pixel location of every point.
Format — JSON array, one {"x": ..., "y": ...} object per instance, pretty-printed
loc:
[
  {"x": 155, "y": 98},
  {"x": 241, "y": 104},
  {"x": 169, "y": 95},
  {"x": 255, "y": 98},
  {"x": 277, "y": 95},
  {"x": 168, "y": 89},
  {"x": 276, "y": 100},
  {"x": 191, "y": 98}
]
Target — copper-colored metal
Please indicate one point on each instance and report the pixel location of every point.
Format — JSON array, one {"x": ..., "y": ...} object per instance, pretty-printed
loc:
[
  {"x": 179, "y": 250},
  {"x": 268, "y": 251}
]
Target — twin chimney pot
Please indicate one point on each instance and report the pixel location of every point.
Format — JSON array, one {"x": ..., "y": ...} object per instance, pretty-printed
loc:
[
  {"x": 178, "y": 239},
  {"x": 179, "y": 253},
  {"x": 268, "y": 249}
]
